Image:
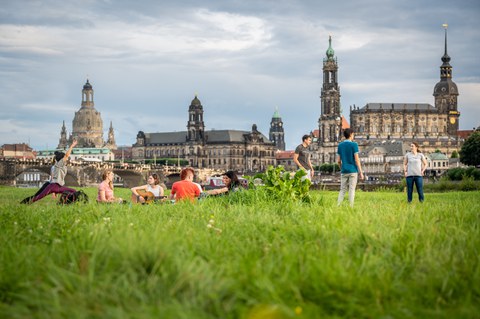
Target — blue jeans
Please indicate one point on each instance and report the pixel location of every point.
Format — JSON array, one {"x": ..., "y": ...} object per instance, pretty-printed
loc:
[{"x": 418, "y": 181}]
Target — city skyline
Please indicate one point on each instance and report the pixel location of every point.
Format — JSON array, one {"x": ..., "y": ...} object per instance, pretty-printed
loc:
[{"x": 147, "y": 61}]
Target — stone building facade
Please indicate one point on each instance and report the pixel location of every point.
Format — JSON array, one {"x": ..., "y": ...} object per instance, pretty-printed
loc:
[
  {"x": 433, "y": 127},
  {"x": 87, "y": 125},
  {"x": 242, "y": 151}
]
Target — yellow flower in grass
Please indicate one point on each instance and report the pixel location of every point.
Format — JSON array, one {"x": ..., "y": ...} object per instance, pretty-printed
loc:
[{"x": 298, "y": 310}]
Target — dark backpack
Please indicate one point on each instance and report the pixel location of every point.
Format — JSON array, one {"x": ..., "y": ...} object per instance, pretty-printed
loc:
[{"x": 68, "y": 198}]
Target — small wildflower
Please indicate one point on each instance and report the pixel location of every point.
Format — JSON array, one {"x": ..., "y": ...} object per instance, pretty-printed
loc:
[
  {"x": 211, "y": 221},
  {"x": 131, "y": 224},
  {"x": 298, "y": 310},
  {"x": 209, "y": 226}
]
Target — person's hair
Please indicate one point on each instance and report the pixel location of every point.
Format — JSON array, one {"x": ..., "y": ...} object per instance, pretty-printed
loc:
[
  {"x": 156, "y": 179},
  {"x": 105, "y": 175},
  {"x": 234, "y": 182},
  {"x": 305, "y": 137},
  {"x": 347, "y": 132},
  {"x": 418, "y": 147},
  {"x": 184, "y": 173},
  {"x": 59, "y": 155}
]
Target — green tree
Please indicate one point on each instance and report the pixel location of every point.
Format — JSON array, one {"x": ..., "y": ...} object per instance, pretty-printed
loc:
[
  {"x": 470, "y": 152},
  {"x": 454, "y": 154}
]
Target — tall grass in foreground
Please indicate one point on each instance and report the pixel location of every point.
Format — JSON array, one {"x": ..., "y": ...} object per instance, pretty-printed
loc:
[{"x": 243, "y": 256}]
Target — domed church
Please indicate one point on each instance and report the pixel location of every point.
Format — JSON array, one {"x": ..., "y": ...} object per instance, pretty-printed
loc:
[{"x": 87, "y": 125}]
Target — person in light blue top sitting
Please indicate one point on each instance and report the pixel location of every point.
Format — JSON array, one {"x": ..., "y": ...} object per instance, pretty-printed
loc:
[{"x": 350, "y": 167}]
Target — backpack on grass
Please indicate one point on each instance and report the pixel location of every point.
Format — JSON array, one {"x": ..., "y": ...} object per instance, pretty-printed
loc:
[{"x": 68, "y": 198}]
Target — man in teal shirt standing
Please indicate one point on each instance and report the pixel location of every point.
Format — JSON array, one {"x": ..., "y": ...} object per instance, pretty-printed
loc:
[{"x": 349, "y": 163}]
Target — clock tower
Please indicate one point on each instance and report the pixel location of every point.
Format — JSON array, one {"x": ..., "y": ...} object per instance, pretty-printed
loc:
[
  {"x": 277, "y": 134},
  {"x": 330, "y": 121},
  {"x": 446, "y": 93}
]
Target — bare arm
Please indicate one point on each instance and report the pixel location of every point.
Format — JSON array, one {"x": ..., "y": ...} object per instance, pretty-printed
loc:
[
  {"x": 359, "y": 166},
  {"x": 424, "y": 164},
  {"x": 69, "y": 151},
  {"x": 405, "y": 166},
  {"x": 295, "y": 159},
  {"x": 310, "y": 164},
  {"x": 135, "y": 189},
  {"x": 217, "y": 191}
]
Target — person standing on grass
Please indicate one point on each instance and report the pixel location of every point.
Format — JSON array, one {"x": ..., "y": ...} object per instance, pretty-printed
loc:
[
  {"x": 302, "y": 156},
  {"x": 185, "y": 189},
  {"x": 57, "y": 182},
  {"x": 414, "y": 166},
  {"x": 349, "y": 163}
]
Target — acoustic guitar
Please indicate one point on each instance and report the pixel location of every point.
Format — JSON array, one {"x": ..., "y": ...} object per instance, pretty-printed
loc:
[{"x": 149, "y": 197}]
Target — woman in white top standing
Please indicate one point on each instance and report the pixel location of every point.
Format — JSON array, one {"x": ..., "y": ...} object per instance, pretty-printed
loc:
[
  {"x": 414, "y": 166},
  {"x": 152, "y": 186}
]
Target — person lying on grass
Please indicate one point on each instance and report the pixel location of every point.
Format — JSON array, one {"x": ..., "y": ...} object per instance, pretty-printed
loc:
[
  {"x": 232, "y": 184},
  {"x": 58, "y": 173}
]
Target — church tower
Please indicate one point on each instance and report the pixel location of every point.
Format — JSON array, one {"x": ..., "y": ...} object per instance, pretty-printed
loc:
[
  {"x": 87, "y": 125},
  {"x": 195, "y": 125},
  {"x": 330, "y": 121},
  {"x": 111, "y": 138},
  {"x": 446, "y": 93},
  {"x": 277, "y": 134},
  {"x": 62, "y": 144}
]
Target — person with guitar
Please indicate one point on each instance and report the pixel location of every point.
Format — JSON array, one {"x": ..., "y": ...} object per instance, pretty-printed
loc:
[{"x": 148, "y": 193}]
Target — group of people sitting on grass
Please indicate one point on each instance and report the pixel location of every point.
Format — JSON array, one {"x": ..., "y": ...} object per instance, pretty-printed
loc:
[{"x": 185, "y": 189}]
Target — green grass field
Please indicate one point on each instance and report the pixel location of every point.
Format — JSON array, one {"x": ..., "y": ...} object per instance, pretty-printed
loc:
[{"x": 244, "y": 256}]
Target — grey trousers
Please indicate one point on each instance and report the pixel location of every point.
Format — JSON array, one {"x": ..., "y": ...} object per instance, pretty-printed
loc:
[{"x": 350, "y": 181}]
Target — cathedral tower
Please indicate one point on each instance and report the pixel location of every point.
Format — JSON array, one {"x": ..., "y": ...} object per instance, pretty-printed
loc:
[
  {"x": 195, "y": 125},
  {"x": 111, "y": 138},
  {"x": 446, "y": 93},
  {"x": 63, "y": 138},
  {"x": 330, "y": 121},
  {"x": 277, "y": 134}
]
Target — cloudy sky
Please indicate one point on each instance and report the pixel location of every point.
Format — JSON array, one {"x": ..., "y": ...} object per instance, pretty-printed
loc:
[{"x": 146, "y": 61}]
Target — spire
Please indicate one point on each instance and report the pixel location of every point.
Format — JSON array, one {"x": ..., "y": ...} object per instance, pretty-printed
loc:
[
  {"x": 276, "y": 115},
  {"x": 445, "y": 57},
  {"x": 111, "y": 137},
  {"x": 445, "y": 68},
  {"x": 330, "y": 51}
]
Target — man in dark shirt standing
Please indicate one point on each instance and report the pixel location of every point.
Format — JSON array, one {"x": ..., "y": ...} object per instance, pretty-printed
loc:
[{"x": 302, "y": 156}]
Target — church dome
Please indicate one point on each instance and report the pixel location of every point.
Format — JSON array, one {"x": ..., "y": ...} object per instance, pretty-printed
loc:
[
  {"x": 87, "y": 86},
  {"x": 195, "y": 104}
]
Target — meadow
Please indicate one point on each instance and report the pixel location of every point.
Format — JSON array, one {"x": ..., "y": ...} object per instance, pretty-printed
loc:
[{"x": 242, "y": 256}]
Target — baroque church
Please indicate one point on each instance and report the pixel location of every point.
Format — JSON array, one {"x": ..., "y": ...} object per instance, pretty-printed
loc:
[
  {"x": 433, "y": 127},
  {"x": 87, "y": 126},
  {"x": 242, "y": 151}
]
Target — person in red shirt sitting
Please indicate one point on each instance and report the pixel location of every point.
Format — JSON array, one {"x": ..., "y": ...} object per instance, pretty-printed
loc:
[{"x": 185, "y": 189}]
